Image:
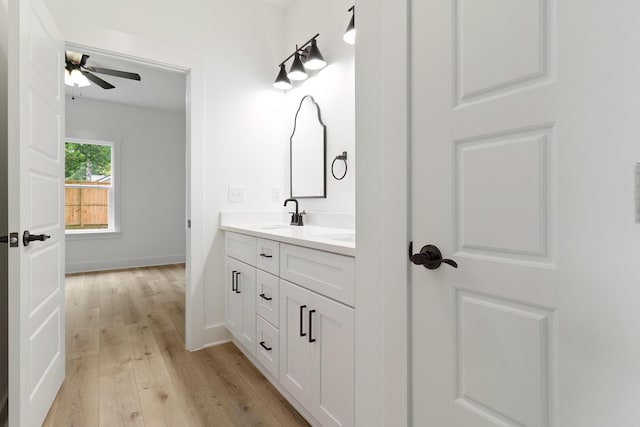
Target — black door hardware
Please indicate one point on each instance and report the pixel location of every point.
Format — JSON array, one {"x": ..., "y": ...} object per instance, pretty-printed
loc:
[
  {"x": 266, "y": 298},
  {"x": 430, "y": 257},
  {"x": 262, "y": 344},
  {"x": 12, "y": 239},
  {"x": 28, "y": 237},
  {"x": 311, "y": 325},
  {"x": 302, "y": 307},
  {"x": 266, "y": 256}
]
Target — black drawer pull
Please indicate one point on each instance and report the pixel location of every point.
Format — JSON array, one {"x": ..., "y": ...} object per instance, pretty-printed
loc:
[
  {"x": 264, "y": 346},
  {"x": 266, "y": 298},
  {"x": 302, "y": 307},
  {"x": 311, "y": 325},
  {"x": 266, "y": 256}
]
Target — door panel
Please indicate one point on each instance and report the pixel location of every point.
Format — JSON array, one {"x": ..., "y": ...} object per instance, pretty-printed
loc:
[
  {"x": 484, "y": 192},
  {"x": 294, "y": 348},
  {"x": 36, "y": 173},
  {"x": 332, "y": 361},
  {"x": 246, "y": 284},
  {"x": 233, "y": 303}
]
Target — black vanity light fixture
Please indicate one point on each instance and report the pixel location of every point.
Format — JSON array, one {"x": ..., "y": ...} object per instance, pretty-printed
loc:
[
  {"x": 350, "y": 34},
  {"x": 305, "y": 57}
]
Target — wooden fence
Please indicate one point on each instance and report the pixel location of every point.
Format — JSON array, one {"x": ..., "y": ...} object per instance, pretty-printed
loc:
[{"x": 86, "y": 208}]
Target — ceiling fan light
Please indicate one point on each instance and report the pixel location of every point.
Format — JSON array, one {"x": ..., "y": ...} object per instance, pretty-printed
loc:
[
  {"x": 350, "y": 34},
  {"x": 296, "y": 72},
  {"x": 79, "y": 79},
  {"x": 67, "y": 78},
  {"x": 314, "y": 60}
]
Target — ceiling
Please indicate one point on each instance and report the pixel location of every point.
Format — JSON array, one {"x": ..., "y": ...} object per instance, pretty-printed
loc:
[{"x": 159, "y": 88}]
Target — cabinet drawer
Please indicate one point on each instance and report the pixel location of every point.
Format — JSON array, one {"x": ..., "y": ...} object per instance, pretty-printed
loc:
[
  {"x": 268, "y": 256},
  {"x": 326, "y": 273},
  {"x": 268, "y": 297},
  {"x": 268, "y": 346},
  {"x": 240, "y": 247}
]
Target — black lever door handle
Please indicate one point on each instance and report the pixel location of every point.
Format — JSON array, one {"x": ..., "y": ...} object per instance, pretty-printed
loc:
[
  {"x": 430, "y": 257},
  {"x": 266, "y": 256},
  {"x": 266, "y": 298},
  {"x": 28, "y": 237}
]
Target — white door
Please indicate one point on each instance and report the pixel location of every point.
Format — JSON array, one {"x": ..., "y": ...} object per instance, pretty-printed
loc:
[
  {"x": 332, "y": 340},
  {"x": 484, "y": 140},
  {"x": 294, "y": 341},
  {"x": 36, "y": 173}
]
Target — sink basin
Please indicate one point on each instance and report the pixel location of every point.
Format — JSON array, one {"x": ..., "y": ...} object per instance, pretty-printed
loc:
[
  {"x": 271, "y": 226},
  {"x": 344, "y": 237}
]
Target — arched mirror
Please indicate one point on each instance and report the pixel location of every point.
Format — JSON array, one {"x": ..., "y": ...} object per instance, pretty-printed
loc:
[{"x": 308, "y": 153}]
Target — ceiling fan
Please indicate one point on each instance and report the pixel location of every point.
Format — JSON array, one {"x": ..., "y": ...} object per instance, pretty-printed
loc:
[{"x": 77, "y": 73}]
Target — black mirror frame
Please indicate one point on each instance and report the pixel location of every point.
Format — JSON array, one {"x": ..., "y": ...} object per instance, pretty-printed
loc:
[{"x": 324, "y": 149}]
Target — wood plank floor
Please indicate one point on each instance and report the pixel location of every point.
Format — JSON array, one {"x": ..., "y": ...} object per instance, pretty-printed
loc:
[{"x": 127, "y": 366}]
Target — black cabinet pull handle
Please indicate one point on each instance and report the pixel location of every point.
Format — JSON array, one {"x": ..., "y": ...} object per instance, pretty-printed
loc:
[
  {"x": 266, "y": 256},
  {"x": 311, "y": 325},
  {"x": 266, "y": 298},
  {"x": 238, "y": 275},
  {"x": 233, "y": 281},
  {"x": 28, "y": 237},
  {"x": 302, "y": 307},
  {"x": 430, "y": 257},
  {"x": 264, "y": 346}
]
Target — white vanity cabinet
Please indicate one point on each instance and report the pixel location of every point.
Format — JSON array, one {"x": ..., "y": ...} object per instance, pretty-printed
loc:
[
  {"x": 292, "y": 309},
  {"x": 317, "y": 354}
]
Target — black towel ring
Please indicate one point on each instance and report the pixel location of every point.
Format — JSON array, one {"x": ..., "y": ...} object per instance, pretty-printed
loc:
[{"x": 342, "y": 157}]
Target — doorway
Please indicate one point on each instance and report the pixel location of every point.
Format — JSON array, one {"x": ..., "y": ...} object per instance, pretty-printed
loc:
[{"x": 141, "y": 220}]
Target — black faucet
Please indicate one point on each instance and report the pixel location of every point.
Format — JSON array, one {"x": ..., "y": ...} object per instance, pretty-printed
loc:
[{"x": 296, "y": 218}]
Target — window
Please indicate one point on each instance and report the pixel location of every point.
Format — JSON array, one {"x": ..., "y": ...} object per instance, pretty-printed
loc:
[{"x": 89, "y": 193}]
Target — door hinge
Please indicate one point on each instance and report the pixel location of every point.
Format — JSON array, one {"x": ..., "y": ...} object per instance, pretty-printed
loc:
[
  {"x": 188, "y": 223},
  {"x": 12, "y": 239}
]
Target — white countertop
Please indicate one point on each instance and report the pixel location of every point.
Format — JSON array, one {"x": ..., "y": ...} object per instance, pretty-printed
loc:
[{"x": 337, "y": 240}]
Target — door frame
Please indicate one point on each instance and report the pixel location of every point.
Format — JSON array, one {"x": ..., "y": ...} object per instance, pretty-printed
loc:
[
  {"x": 141, "y": 53},
  {"x": 383, "y": 213}
]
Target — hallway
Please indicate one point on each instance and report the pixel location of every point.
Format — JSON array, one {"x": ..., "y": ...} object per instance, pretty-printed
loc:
[{"x": 126, "y": 363}]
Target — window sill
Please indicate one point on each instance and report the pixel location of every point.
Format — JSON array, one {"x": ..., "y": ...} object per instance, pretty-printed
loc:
[{"x": 92, "y": 235}]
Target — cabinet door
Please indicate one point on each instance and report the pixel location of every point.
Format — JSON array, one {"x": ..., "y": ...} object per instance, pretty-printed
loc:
[
  {"x": 294, "y": 341},
  {"x": 246, "y": 290},
  {"x": 233, "y": 300},
  {"x": 332, "y": 326}
]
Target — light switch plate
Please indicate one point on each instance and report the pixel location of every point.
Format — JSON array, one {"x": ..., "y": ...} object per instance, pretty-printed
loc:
[
  {"x": 276, "y": 194},
  {"x": 236, "y": 194}
]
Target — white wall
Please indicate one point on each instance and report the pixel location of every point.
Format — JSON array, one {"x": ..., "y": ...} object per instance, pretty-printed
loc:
[
  {"x": 332, "y": 88},
  {"x": 151, "y": 196},
  {"x": 231, "y": 48},
  {"x": 3, "y": 208}
]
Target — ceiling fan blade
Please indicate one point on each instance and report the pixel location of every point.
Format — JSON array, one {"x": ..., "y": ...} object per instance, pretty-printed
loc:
[
  {"x": 97, "y": 80},
  {"x": 116, "y": 73},
  {"x": 83, "y": 60}
]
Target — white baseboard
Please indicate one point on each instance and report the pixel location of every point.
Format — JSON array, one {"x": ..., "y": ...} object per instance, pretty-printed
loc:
[
  {"x": 118, "y": 264},
  {"x": 216, "y": 335}
]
